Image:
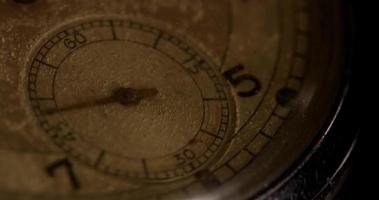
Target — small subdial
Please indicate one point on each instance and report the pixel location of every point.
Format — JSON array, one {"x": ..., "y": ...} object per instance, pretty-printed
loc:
[{"x": 131, "y": 100}]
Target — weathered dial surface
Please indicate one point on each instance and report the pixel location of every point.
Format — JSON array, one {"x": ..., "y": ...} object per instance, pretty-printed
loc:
[
  {"x": 161, "y": 99},
  {"x": 169, "y": 136}
]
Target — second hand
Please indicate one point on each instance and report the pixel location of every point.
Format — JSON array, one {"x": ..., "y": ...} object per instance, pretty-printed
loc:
[{"x": 122, "y": 95}]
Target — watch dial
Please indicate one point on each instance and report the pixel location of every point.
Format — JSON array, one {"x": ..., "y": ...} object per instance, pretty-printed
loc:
[{"x": 161, "y": 99}]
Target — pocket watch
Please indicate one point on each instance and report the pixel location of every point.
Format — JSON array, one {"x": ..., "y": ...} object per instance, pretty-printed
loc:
[{"x": 187, "y": 99}]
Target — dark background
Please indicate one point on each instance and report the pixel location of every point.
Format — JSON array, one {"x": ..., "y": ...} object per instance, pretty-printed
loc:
[{"x": 357, "y": 185}]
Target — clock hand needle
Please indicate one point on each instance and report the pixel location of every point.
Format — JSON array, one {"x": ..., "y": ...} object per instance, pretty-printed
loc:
[{"x": 122, "y": 95}]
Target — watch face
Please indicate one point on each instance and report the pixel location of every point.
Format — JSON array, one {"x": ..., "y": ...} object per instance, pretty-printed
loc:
[{"x": 162, "y": 99}]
